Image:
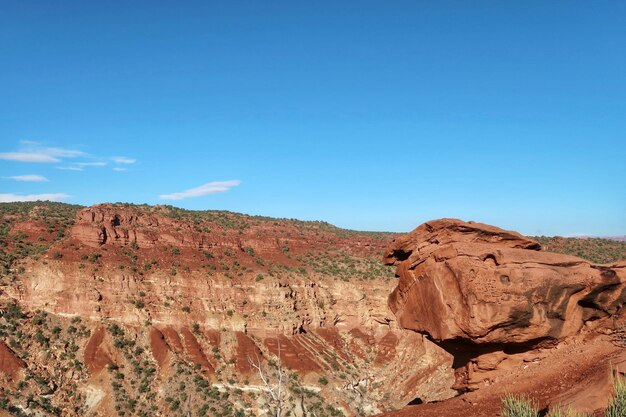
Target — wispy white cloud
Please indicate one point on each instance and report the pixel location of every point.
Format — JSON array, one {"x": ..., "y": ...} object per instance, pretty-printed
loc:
[
  {"x": 30, "y": 151},
  {"x": 62, "y": 153},
  {"x": 38, "y": 147},
  {"x": 28, "y": 157},
  {"x": 91, "y": 164},
  {"x": 208, "y": 188},
  {"x": 80, "y": 166},
  {"x": 36, "y": 152},
  {"x": 10, "y": 198},
  {"x": 70, "y": 168},
  {"x": 33, "y": 152},
  {"x": 29, "y": 178},
  {"x": 123, "y": 160}
]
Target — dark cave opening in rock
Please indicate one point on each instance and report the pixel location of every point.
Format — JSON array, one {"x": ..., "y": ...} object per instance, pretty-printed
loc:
[{"x": 416, "y": 401}]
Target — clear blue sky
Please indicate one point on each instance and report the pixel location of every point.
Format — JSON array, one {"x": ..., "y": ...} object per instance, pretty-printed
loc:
[{"x": 371, "y": 115}]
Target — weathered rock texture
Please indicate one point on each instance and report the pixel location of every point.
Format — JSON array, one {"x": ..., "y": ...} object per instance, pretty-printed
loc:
[
  {"x": 99, "y": 225},
  {"x": 472, "y": 282},
  {"x": 488, "y": 295}
]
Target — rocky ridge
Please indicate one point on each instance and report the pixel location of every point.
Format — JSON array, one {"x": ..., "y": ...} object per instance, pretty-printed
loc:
[{"x": 206, "y": 296}]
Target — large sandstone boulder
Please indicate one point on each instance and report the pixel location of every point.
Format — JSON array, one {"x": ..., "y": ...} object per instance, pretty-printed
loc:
[{"x": 466, "y": 283}]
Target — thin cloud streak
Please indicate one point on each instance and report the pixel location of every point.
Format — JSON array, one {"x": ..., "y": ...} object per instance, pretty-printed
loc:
[
  {"x": 11, "y": 198},
  {"x": 36, "y": 147},
  {"x": 33, "y": 152},
  {"x": 205, "y": 189},
  {"x": 79, "y": 166},
  {"x": 123, "y": 160},
  {"x": 69, "y": 168},
  {"x": 28, "y": 157},
  {"x": 29, "y": 178},
  {"x": 91, "y": 164}
]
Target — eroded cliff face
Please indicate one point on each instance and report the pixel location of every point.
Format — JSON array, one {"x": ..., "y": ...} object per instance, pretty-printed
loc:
[
  {"x": 137, "y": 310},
  {"x": 492, "y": 299},
  {"x": 226, "y": 295}
]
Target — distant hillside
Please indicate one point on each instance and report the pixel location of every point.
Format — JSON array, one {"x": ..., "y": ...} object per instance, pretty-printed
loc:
[
  {"x": 53, "y": 219},
  {"x": 33, "y": 228},
  {"x": 593, "y": 249}
]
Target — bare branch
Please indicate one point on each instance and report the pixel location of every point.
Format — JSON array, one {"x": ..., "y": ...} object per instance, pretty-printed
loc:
[{"x": 257, "y": 365}]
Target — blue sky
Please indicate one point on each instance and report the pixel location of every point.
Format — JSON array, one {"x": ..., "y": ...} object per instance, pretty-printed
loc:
[{"x": 371, "y": 115}]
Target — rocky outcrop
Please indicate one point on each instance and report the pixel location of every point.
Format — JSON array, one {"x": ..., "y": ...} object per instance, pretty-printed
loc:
[
  {"x": 104, "y": 224},
  {"x": 159, "y": 347},
  {"x": 10, "y": 364},
  {"x": 482, "y": 292},
  {"x": 96, "y": 356}
]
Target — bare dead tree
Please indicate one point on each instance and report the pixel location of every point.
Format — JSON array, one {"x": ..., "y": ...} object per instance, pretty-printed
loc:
[{"x": 276, "y": 390}]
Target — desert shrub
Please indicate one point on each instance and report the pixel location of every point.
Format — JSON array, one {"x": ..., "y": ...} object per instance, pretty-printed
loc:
[
  {"x": 617, "y": 405},
  {"x": 116, "y": 330},
  {"x": 518, "y": 406}
]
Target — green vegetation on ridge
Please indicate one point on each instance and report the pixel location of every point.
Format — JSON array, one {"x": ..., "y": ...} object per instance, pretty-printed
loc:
[
  {"x": 53, "y": 218},
  {"x": 596, "y": 250}
]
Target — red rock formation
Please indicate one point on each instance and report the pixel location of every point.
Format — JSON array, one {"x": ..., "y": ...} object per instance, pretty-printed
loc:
[
  {"x": 387, "y": 349},
  {"x": 169, "y": 339},
  {"x": 158, "y": 345},
  {"x": 214, "y": 337},
  {"x": 334, "y": 340},
  {"x": 111, "y": 224},
  {"x": 481, "y": 284},
  {"x": 483, "y": 293},
  {"x": 355, "y": 347},
  {"x": 247, "y": 351},
  {"x": 195, "y": 352},
  {"x": 10, "y": 364},
  {"x": 291, "y": 353},
  {"x": 96, "y": 356},
  {"x": 103, "y": 224},
  {"x": 173, "y": 339},
  {"x": 576, "y": 374}
]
